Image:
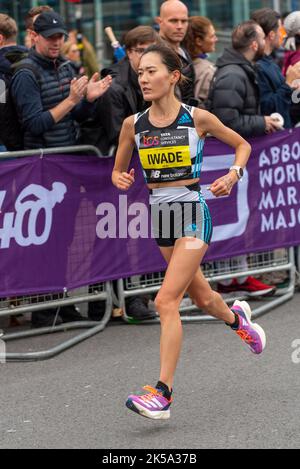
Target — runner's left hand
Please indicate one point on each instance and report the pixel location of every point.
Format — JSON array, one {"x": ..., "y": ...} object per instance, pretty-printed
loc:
[{"x": 223, "y": 186}]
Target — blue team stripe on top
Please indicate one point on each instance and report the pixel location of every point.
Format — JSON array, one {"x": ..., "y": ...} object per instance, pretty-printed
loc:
[
  {"x": 199, "y": 158},
  {"x": 208, "y": 223}
]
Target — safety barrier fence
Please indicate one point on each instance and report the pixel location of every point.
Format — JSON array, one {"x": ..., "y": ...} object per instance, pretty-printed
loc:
[
  {"x": 39, "y": 302},
  {"x": 136, "y": 282},
  {"x": 258, "y": 264}
]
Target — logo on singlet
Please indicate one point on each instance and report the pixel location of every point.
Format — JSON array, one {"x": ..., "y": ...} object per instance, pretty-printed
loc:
[
  {"x": 185, "y": 119},
  {"x": 152, "y": 141},
  {"x": 155, "y": 174}
]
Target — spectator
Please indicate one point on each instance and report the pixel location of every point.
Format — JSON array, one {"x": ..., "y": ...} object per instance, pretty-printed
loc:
[
  {"x": 10, "y": 53},
  {"x": 275, "y": 90},
  {"x": 234, "y": 98},
  {"x": 173, "y": 23},
  {"x": 234, "y": 94},
  {"x": 292, "y": 28},
  {"x": 71, "y": 52},
  {"x": 29, "y": 20},
  {"x": 89, "y": 57},
  {"x": 123, "y": 99},
  {"x": 200, "y": 40},
  {"x": 48, "y": 106},
  {"x": 51, "y": 122},
  {"x": 292, "y": 58},
  {"x": 124, "y": 96}
]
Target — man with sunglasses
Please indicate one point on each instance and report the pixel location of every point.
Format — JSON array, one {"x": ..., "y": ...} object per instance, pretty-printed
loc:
[{"x": 125, "y": 97}]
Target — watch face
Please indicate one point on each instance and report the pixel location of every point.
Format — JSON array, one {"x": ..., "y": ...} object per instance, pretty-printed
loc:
[{"x": 241, "y": 172}]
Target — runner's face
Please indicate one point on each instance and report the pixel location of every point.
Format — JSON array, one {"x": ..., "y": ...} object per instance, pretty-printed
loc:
[{"x": 154, "y": 78}]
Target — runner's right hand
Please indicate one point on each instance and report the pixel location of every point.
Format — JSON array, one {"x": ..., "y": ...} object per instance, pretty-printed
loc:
[{"x": 125, "y": 180}]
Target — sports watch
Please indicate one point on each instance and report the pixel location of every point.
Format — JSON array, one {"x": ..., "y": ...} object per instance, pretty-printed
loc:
[{"x": 239, "y": 171}]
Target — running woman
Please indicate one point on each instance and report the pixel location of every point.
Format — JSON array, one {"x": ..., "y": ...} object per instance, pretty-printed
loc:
[{"x": 169, "y": 137}]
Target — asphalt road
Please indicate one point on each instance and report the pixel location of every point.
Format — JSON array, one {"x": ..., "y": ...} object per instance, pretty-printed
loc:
[{"x": 225, "y": 397}]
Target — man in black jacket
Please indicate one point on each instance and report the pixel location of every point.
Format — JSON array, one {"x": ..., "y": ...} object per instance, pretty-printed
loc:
[
  {"x": 234, "y": 93},
  {"x": 234, "y": 99}
]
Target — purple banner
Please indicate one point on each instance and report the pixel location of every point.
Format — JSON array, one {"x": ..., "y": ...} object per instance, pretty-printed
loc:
[{"x": 64, "y": 225}]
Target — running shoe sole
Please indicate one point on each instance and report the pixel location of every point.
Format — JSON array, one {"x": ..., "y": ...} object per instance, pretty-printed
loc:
[
  {"x": 156, "y": 415},
  {"x": 248, "y": 313},
  {"x": 269, "y": 292}
]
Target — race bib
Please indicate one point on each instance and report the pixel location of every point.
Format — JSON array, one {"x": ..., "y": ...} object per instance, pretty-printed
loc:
[{"x": 163, "y": 150}]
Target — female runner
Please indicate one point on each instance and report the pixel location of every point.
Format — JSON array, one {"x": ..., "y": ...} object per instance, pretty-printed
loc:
[{"x": 169, "y": 137}]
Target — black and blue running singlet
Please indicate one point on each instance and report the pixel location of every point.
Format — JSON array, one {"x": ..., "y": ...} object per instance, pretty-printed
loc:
[{"x": 170, "y": 153}]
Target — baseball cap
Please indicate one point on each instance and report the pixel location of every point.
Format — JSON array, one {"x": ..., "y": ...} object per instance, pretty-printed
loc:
[
  {"x": 49, "y": 23},
  {"x": 292, "y": 23}
]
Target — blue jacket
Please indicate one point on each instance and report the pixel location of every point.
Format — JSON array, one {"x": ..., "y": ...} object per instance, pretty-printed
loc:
[
  {"x": 275, "y": 94},
  {"x": 9, "y": 50}
]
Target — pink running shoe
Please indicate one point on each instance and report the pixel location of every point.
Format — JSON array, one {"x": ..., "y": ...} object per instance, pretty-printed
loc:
[
  {"x": 152, "y": 405},
  {"x": 252, "y": 334}
]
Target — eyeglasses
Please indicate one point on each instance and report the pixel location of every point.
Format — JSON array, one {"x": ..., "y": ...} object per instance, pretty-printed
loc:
[{"x": 139, "y": 50}]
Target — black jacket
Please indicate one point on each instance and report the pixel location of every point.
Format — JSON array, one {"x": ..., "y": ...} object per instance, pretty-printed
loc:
[
  {"x": 122, "y": 99},
  {"x": 187, "y": 87},
  {"x": 234, "y": 95}
]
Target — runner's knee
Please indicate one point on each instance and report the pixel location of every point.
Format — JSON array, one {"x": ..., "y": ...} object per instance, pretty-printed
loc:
[
  {"x": 165, "y": 303},
  {"x": 206, "y": 300}
]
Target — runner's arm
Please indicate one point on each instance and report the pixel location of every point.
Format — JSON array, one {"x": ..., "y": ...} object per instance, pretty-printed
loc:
[
  {"x": 206, "y": 122},
  {"x": 120, "y": 177}
]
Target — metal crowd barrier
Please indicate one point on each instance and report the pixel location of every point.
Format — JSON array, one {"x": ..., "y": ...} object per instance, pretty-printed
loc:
[
  {"x": 13, "y": 307},
  {"x": 257, "y": 264}
]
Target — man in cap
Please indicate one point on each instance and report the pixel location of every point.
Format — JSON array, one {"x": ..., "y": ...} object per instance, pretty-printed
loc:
[{"x": 48, "y": 98}]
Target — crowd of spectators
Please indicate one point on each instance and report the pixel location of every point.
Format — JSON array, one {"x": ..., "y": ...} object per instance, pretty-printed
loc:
[{"x": 59, "y": 99}]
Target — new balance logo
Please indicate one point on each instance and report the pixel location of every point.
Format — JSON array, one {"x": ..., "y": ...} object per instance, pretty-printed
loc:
[
  {"x": 185, "y": 119},
  {"x": 155, "y": 174}
]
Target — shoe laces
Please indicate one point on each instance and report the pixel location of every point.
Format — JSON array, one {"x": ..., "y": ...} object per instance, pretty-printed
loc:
[
  {"x": 244, "y": 335},
  {"x": 152, "y": 392}
]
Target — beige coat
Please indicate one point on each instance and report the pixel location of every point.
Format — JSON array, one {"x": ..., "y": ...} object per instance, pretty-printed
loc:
[{"x": 204, "y": 71}]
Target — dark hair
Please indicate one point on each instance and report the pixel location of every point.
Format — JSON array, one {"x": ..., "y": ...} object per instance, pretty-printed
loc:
[
  {"x": 168, "y": 57},
  {"x": 8, "y": 27},
  {"x": 267, "y": 19},
  {"x": 198, "y": 27},
  {"x": 34, "y": 11},
  {"x": 140, "y": 35},
  {"x": 243, "y": 35}
]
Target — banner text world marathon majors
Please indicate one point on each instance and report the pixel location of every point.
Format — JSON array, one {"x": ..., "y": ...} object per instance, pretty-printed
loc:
[{"x": 279, "y": 178}]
